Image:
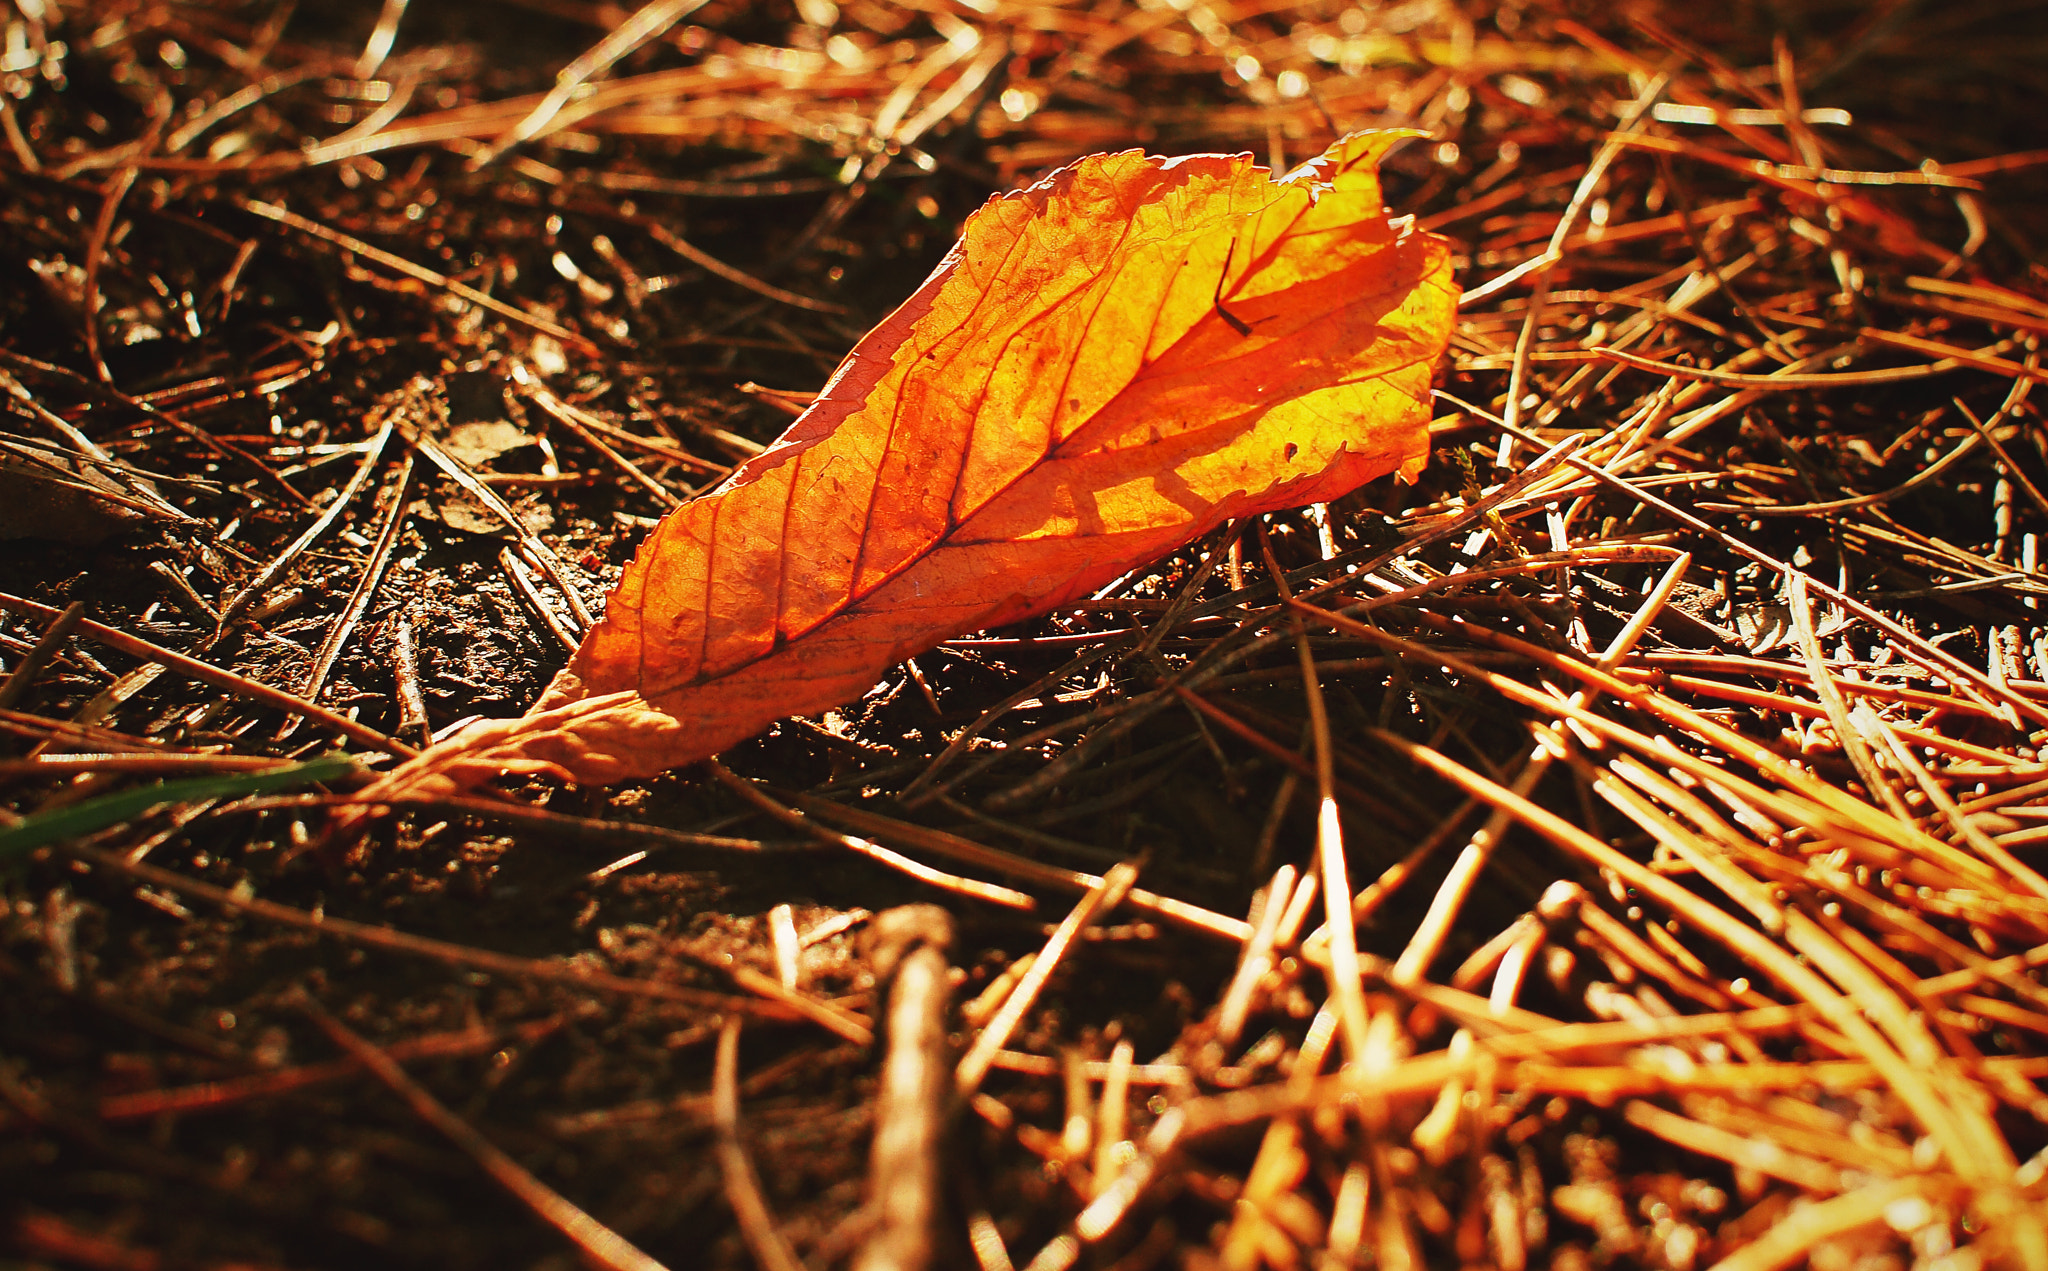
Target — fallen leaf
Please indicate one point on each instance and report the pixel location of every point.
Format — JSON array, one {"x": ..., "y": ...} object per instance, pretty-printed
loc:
[
  {"x": 459, "y": 510},
  {"x": 1106, "y": 366},
  {"x": 480, "y": 441}
]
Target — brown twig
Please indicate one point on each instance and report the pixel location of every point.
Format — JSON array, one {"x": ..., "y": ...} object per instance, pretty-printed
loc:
[
  {"x": 906, "y": 1162},
  {"x": 599, "y": 1243},
  {"x": 742, "y": 1186}
]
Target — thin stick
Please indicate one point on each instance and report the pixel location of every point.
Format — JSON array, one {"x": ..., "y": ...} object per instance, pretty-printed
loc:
[
  {"x": 1435, "y": 928},
  {"x": 1799, "y": 379},
  {"x": 539, "y": 821},
  {"x": 365, "y": 589},
  {"x": 96, "y": 255},
  {"x": 1632, "y": 119},
  {"x": 413, "y": 946},
  {"x": 955, "y": 847},
  {"x": 405, "y": 666},
  {"x": 742, "y": 1186},
  {"x": 238, "y": 604},
  {"x": 207, "y": 673},
  {"x": 922, "y": 790},
  {"x": 522, "y": 583},
  {"x": 1967, "y": 1139},
  {"x": 46, "y": 646},
  {"x": 107, "y": 392},
  {"x": 569, "y": 417},
  {"x": 1268, "y": 907},
  {"x": 1787, "y": 1242},
  {"x": 214, "y": 1096},
  {"x": 782, "y": 938},
  {"x": 1243, "y": 641},
  {"x": 1992, "y": 851},
  {"x": 133, "y": 761},
  {"x": 991, "y": 892},
  {"x": 980, "y": 1057},
  {"x": 599, "y": 1243},
  {"x": 704, "y": 260},
  {"x": 1986, "y": 430},
  {"x": 1912, "y": 483},
  {"x": 96, "y": 464},
  {"x": 1380, "y": 890},
  {"x": 350, "y": 243},
  {"x": 536, "y": 551},
  {"x": 1802, "y": 798},
  {"x": 905, "y": 1191},
  {"x": 1113, "y": 1123}
]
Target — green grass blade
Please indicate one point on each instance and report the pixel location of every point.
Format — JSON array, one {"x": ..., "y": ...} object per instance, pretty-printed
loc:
[{"x": 76, "y": 821}]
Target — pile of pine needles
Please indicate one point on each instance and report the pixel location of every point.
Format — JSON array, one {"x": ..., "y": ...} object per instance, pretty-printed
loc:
[{"x": 1677, "y": 742}]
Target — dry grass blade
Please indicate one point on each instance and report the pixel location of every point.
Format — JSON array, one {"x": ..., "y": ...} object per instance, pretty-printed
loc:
[
  {"x": 645, "y": 24},
  {"x": 1346, "y": 991}
]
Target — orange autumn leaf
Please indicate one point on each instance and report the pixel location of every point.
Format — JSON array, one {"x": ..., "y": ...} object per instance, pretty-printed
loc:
[{"x": 1106, "y": 366}]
